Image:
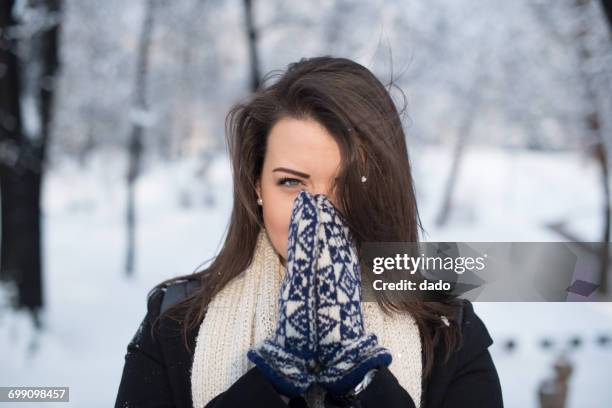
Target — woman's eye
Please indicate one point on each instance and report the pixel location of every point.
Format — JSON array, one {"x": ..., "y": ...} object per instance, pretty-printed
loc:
[{"x": 286, "y": 182}]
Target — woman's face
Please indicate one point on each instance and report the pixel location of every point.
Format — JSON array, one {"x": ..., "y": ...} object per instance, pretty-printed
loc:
[{"x": 300, "y": 155}]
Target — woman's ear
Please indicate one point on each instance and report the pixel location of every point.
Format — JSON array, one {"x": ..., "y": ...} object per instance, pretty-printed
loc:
[{"x": 258, "y": 188}]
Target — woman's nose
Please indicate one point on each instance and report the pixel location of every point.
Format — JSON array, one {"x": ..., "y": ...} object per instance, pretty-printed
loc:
[
  {"x": 323, "y": 190},
  {"x": 330, "y": 197},
  {"x": 320, "y": 192}
]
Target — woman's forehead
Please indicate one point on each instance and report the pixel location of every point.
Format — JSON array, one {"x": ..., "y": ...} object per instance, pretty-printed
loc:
[{"x": 304, "y": 146}]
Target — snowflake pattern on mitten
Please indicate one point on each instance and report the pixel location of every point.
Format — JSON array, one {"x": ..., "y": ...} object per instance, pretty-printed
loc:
[
  {"x": 288, "y": 358},
  {"x": 345, "y": 351}
]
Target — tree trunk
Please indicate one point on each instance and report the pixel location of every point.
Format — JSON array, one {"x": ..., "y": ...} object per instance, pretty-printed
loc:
[
  {"x": 135, "y": 144},
  {"x": 607, "y": 7},
  {"x": 22, "y": 151},
  {"x": 594, "y": 125},
  {"x": 252, "y": 39},
  {"x": 463, "y": 136},
  {"x": 10, "y": 136}
]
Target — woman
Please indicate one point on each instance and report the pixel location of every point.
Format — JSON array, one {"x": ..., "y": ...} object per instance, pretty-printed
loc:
[{"x": 320, "y": 165}]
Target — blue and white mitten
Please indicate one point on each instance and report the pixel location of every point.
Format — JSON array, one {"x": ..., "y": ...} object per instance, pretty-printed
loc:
[
  {"x": 288, "y": 358},
  {"x": 346, "y": 352}
]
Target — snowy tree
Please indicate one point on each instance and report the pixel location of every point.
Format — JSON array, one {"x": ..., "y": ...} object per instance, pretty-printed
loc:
[{"x": 29, "y": 63}]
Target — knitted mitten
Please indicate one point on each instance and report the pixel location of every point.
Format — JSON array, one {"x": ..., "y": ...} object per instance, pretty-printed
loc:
[
  {"x": 346, "y": 353},
  {"x": 288, "y": 357}
]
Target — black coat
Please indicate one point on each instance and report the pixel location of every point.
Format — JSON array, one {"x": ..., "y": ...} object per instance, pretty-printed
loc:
[{"x": 157, "y": 370}]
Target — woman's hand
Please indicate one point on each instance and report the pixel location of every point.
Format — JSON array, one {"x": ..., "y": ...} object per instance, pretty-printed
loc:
[
  {"x": 288, "y": 358},
  {"x": 320, "y": 335},
  {"x": 345, "y": 352}
]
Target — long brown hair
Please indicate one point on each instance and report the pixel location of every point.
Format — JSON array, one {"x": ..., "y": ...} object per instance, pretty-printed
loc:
[{"x": 358, "y": 111}]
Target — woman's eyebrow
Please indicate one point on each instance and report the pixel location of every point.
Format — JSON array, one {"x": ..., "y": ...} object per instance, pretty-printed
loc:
[{"x": 297, "y": 173}]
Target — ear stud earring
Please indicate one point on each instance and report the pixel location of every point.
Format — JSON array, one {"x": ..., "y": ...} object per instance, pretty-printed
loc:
[
  {"x": 363, "y": 179},
  {"x": 259, "y": 201}
]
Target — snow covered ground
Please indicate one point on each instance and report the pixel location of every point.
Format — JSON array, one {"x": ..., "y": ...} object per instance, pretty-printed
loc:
[{"x": 93, "y": 310}]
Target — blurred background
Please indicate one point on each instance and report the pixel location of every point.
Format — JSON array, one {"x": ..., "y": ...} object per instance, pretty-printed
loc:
[{"x": 114, "y": 173}]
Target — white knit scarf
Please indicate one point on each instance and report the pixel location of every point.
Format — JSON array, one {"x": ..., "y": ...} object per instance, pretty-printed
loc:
[{"x": 245, "y": 312}]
